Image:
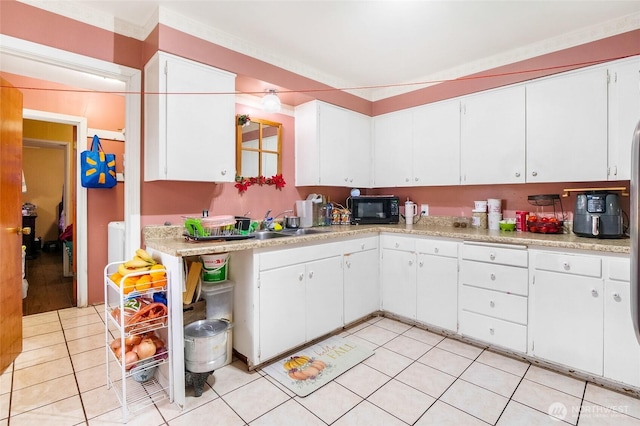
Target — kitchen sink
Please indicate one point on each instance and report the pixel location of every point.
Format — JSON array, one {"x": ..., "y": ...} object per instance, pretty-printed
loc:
[
  {"x": 303, "y": 231},
  {"x": 267, "y": 235}
]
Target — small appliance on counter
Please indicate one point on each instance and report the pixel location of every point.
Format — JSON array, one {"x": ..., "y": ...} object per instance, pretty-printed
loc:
[
  {"x": 545, "y": 222},
  {"x": 598, "y": 215},
  {"x": 374, "y": 209}
]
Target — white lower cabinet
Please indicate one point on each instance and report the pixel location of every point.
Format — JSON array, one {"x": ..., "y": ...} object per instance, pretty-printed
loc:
[
  {"x": 621, "y": 348},
  {"x": 437, "y": 283},
  {"x": 493, "y": 287},
  {"x": 361, "y": 278},
  {"x": 567, "y": 310},
  {"x": 298, "y": 302},
  {"x": 418, "y": 279}
]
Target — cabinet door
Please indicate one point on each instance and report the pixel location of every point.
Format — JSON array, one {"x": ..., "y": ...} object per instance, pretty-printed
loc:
[
  {"x": 567, "y": 127},
  {"x": 187, "y": 135},
  {"x": 624, "y": 113},
  {"x": 621, "y": 348},
  {"x": 492, "y": 140},
  {"x": 361, "y": 285},
  {"x": 392, "y": 165},
  {"x": 437, "y": 291},
  {"x": 399, "y": 282},
  {"x": 567, "y": 314},
  {"x": 358, "y": 149},
  {"x": 323, "y": 301},
  {"x": 436, "y": 144},
  {"x": 333, "y": 140},
  {"x": 283, "y": 310}
]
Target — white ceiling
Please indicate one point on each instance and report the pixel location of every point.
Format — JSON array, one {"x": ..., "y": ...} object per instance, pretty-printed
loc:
[{"x": 379, "y": 45}]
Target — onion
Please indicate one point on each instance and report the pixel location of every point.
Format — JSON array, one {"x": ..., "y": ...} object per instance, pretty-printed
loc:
[
  {"x": 132, "y": 340},
  {"x": 115, "y": 344},
  {"x": 158, "y": 342},
  {"x": 145, "y": 349},
  {"x": 161, "y": 354},
  {"x": 130, "y": 358}
]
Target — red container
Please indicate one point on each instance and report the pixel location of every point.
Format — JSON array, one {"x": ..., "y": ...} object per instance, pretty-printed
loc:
[{"x": 521, "y": 221}]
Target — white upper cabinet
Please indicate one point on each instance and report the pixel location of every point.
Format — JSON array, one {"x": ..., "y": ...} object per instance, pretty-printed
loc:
[
  {"x": 624, "y": 113},
  {"x": 493, "y": 137},
  {"x": 392, "y": 139},
  {"x": 189, "y": 121},
  {"x": 332, "y": 146},
  {"x": 436, "y": 144},
  {"x": 567, "y": 127}
]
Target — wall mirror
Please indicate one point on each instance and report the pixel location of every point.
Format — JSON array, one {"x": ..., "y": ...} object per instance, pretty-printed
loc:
[{"x": 258, "y": 148}]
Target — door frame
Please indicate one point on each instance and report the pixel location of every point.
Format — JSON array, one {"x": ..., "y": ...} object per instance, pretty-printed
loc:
[{"x": 132, "y": 78}]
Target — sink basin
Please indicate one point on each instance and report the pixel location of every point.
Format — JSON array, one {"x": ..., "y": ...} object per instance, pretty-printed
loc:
[
  {"x": 303, "y": 231},
  {"x": 267, "y": 235}
]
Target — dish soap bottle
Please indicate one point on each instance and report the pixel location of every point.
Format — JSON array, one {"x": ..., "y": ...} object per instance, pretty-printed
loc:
[{"x": 328, "y": 218}]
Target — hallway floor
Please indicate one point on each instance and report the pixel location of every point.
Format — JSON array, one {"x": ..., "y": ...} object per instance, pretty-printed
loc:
[
  {"x": 414, "y": 378},
  {"x": 48, "y": 290}
]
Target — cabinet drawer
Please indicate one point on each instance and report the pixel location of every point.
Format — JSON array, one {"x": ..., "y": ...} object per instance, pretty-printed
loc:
[
  {"x": 360, "y": 244},
  {"x": 494, "y": 277},
  {"x": 494, "y": 331},
  {"x": 619, "y": 270},
  {"x": 514, "y": 255},
  {"x": 494, "y": 303},
  {"x": 437, "y": 247},
  {"x": 277, "y": 258},
  {"x": 398, "y": 243},
  {"x": 590, "y": 266}
]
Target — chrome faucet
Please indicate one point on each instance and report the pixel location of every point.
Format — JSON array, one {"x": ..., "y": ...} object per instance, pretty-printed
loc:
[{"x": 268, "y": 221}]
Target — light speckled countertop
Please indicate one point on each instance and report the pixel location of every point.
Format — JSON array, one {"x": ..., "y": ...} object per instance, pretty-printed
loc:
[{"x": 169, "y": 239}]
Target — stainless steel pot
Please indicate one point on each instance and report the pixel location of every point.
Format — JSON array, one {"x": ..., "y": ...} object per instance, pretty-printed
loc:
[
  {"x": 205, "y": 344},
  {"x": 292, "y": 222}
]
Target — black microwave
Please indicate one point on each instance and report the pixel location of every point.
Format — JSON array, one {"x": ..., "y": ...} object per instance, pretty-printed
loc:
[{"x": 374, "y": 209}]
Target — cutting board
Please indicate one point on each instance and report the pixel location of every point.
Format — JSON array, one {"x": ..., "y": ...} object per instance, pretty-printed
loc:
[{"x": 192, "y": 282}]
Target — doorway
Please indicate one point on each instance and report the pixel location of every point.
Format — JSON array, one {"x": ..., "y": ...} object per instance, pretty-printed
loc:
[{"x": 22, "y": 57}]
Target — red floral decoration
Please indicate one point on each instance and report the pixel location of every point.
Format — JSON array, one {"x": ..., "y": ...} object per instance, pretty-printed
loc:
[{"x": 243, "y": 183}]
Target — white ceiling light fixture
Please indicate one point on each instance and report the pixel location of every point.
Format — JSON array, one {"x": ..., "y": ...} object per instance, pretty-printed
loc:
[{"x": 270, "y": 102}]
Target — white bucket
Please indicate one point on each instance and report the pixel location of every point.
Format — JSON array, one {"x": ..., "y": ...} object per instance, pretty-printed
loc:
[
  {"x": 214, "y": 267},
  {"x": 494, "y": 205}
]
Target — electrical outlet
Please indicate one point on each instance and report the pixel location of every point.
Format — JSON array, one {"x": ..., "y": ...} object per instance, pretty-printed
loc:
[{"x": 424, "y": 210}]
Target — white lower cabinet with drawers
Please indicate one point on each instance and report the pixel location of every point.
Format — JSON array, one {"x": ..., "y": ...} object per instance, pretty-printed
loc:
[
  {"x": 361, "y": 278},
  {"x": 419, "y": 279},
  {"x": 493, "y": 286}
]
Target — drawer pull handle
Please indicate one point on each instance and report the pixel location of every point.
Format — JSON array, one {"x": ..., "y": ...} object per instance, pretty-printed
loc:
[
  {"x": 397, "y": 245},
  {"x": 492, "y": 256},
  {"x": 594, "y": 292},
  {"x": 492, "y": 303},
  {"x": 362, "y": 247},
  {"x": 301, "y": 277},
  {"x": 616, "y": 296},
  {"x": 436, "y": 250},
  {"x": 348, "y": 264},
  {"x": 493, "y": 277},
  {"x": 410, "y": 262},
  {"x": 517, "y": 174},
  {"x": 491, "y": 331},
  {"x": 566, "y": 265},
  {"x": 534, "y": 173},
  {"x": 311, "y": 274},
  {"x": 421, "y": 263}
]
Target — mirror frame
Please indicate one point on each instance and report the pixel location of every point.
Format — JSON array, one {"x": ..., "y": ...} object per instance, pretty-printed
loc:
[{"x": 259, "y": 150}]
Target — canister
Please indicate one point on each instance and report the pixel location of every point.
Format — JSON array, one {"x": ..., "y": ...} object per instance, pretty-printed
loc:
[
  {"x": 521, "y": 221},
  {"x": 479, "y": 219}
]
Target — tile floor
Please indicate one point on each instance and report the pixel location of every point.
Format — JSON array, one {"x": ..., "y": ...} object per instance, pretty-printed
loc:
[{"x": 414, "y": 378}]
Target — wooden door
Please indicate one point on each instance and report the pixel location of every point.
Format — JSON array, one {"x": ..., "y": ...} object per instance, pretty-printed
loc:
[{"x": 10, "y": 223}]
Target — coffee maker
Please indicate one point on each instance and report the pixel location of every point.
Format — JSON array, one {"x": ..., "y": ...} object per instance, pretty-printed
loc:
[{"x": 598, "y": 215}]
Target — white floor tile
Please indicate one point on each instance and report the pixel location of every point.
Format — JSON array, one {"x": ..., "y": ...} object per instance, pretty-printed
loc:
[
  {"x": 42, "y": 340},
  {"x": 402, "y": 401},
  {"x": 387, "y": 362},
  {"x": 490, "y": 378},
  {"x": 475, "y": 400},
  {"x": 231, "y": 377},
  {"x": 441, "y": 414},
  {"x": 64, "y": 412},
  {"x": 41, "y": 372},
  {"x": 613, "y": 400},
  {"x": 517, "y": 414},
  {"x": 548, "y": 400},
  {"x": 40, "y": 356},
  {"x": 255, "y": 399},
  {"x": 288, "y": 414},
  {"x": 426, "y": 379},
  {"x": 330, "y": 402},
  {"x": 393, "y": 325},
  {"x": 44, "y": 393},
  {"x": 408, "y": 347},
  {"x": 375, "y": 334},
  {"x": 424, "y": 336},
  {"x": 597, "y": 415},
  {"x": 445, "y": 361},
  {"x": 367, "y": 414},
  {"x": 510, "y": 365},
  {"x": 555, "y": 380},
  {"x": 205, "y": 415},
  {"x": 457, "y": 347},
  {"x": 362, "y": 380}
]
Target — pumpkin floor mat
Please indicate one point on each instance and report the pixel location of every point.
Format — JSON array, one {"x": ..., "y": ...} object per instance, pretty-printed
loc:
[{"x": 313, "y": 367}]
